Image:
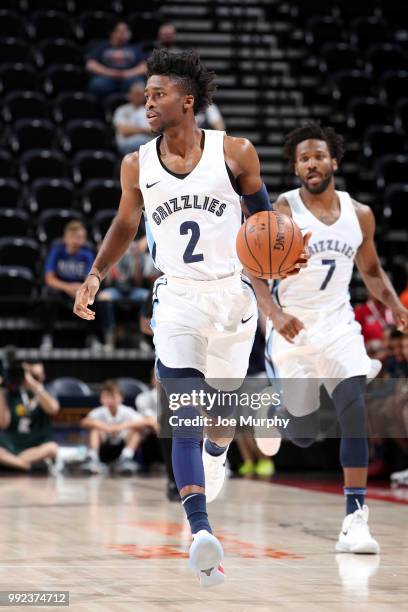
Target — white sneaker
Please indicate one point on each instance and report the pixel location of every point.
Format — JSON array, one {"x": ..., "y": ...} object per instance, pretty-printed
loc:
[
  {"x": 214, "y": 470},
  {"x": 399, "y": 478},
  {"x": 206, "y": 554},
  {"x": 92, "y": 466},
  {"x": 355, "y": 535}
]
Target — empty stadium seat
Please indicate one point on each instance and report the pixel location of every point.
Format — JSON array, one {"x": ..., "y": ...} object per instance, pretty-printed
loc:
[
  {"x": 10, "y": 192},
  {"x": 352, "y": 9},
  {"x": 394, "y": 85},
  {"x": 95, "y": 26},
  {"x": 46, "y": 193},
  {"x": 63, "y": 78},
  {"x": 79, "y": 134},
  {"x": 76, "y": 105},
  {"x": 51, "y": 222},
  {"x": 27, "y": 132},
  {"x": 46, "y": 5},
  {"x": 89, "y": 165},
  {"x": 7, "y": 165},
  {"x": 111, "y": 103},
  {"x": 66, "y": 386},
  {"x": 386, "y": 57},
  {"x": 20, "y": 251},
  {"x": 131, "y": 387},
  {"x": 338, "y": 56},
  {"x": 401, "y": 120},
  {"x": 101, "y": 223},
  {"x": 13, "y": 50},
  {"x": 25, "y": 104},
  {"x": 58, "y": 52},
  {"x": 11, "y": 23},
  {"x": 370, "y": 31},
  {"x": 383, "y": 141},
  {"x": 144, "y": 25},
  {"x": 98, "y": 5},
  {"x": 396, "y": 205},
  {"x": 49, "y": 24},
  {"x": 323, "y": 30},
  {"x": 366, "y": 112},
  {"x": 348, "y": 84},
  {"x": 39, "y": 163},
  {"x": 100, "y": 194},
  {"x": 13, "y": 222},
  {"x": 18, "y": 77},
  {"x": 20, "y": 282},
  {"x": 391, "y": 169}
]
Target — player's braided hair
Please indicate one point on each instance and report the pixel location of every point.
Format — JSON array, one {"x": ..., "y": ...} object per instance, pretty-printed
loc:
[
  {"x": 313, "y": 130},
  {"x": 188, "y": 71}
]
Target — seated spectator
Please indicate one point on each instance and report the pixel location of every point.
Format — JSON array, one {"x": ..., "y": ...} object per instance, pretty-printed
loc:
[
  {"x": 210, "y": 119},
  {"x": 166, "y": 38},
  {"x": 115, "y": 432},
  {"x": 395, "y": 365},
  {"x": 115, "y": 64},
  {"x": 25, "y": 411},
  {"x": 373, "y": 317},
  {"x": 67, "y": 264},
  {"x": 124, "y": 281},
  {"x": 130, "y": 121}
]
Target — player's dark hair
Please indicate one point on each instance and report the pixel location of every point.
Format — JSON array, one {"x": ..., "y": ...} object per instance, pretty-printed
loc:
[
  {"x": 313, "y": 130},
  {"x": 188, "y": 71}
]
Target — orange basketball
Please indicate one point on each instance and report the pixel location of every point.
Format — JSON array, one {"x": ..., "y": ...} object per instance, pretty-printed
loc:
[{"x": 269, "y": 244}]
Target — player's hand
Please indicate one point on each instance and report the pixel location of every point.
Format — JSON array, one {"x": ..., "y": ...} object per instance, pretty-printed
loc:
[
  {"x": 85, "y": 296},
  {"x": 401, "y": 319},
  {"x": 303, "y": 258},
  {"x": 286, "y": 325}
]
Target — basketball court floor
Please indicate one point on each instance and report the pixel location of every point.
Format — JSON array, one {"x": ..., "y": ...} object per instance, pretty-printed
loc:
[{"x": 118, "y": 545}]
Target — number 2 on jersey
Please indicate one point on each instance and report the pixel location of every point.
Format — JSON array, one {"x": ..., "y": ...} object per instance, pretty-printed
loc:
[
  {"x": 194, "y": 228},
  {"x": 332, "y": 264}
]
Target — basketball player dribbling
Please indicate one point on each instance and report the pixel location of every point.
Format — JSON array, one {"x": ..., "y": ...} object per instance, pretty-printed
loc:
[
  {"x": 312, "y": 330},
  {"x": 205, "y": 316}
]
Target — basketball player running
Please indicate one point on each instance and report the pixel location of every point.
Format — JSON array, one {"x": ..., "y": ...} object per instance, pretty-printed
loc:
[
  {"x": 205, "y": 316},
  {"x": 313, "y": 333}
]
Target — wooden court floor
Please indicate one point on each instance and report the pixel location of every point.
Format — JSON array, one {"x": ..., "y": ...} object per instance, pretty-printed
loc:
[{"x": 118, "y": 545}]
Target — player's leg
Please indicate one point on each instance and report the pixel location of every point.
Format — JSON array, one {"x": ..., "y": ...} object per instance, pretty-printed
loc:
[
  {"x": 349, "y": 401},
  {"x": 8, "y": 459},
  {"x": 48, "y": 450},
  {"x": 206, "y": 551}
]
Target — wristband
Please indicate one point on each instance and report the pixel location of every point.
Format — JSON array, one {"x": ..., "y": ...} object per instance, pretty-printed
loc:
[{"x": 97, "y": 276}]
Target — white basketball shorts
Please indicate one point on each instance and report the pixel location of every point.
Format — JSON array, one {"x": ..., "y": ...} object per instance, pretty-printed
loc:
[{"x": 206, "y": 325}]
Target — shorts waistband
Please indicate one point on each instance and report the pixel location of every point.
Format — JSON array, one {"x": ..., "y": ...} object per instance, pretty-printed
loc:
[{"x": 205, "y": 286}]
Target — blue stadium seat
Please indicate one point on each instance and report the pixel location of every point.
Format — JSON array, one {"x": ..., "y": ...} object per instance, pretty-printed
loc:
[{"x": 66, "y": 386}]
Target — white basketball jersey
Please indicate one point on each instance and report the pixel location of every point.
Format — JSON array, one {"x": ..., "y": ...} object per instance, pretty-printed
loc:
[
  {"x": 324, "y": 283},
  {"x": 193, "y": 220}
]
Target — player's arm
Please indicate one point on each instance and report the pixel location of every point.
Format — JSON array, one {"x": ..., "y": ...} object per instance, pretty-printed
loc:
[
  {"x": 371, "y": 271},
  {"x": 118, "y": 237}
]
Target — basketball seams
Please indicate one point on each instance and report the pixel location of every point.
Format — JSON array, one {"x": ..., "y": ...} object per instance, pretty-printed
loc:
[
  {"x": 290, "y": 247},
  {"x": 260, "y": 271}
]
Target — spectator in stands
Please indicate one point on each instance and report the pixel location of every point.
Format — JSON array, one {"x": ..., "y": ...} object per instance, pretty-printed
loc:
[
  {"x": 115, "y": 432},
  {"x": 25, "y": 411},
  {"x": 166, "y": 37},
  {"x": 124, "y": 281},
  {"x": 67, "y": 264},
  {"x": 404, "y": 296},
  {"x": 395, "y": 365},
  {"x": 211, "y": 118},
  {"x": 130, "y": 121},
  {"x": 116, "y": 64},
  {"x": 373, "y": 317}
]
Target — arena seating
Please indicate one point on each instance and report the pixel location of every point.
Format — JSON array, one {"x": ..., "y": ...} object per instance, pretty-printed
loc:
[{"x": 278, "y": 63}]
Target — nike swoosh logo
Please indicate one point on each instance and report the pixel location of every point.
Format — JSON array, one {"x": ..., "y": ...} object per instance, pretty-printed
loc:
[
  {"x": 344, "y": 532},
  {"x": 151, "y": 185},
  {"x": 246, "y": 320}
]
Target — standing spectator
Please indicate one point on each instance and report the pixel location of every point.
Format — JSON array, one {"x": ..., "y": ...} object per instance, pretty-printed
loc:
[
  {"x": 211, "y": 118},
  {"x": 130, "y": 121},
  {"x": 25, "y": 411},
  {"x": 115, "y": 432},
  {"x": 115, "y": 64},
  {"x": 67, "y": 264}
]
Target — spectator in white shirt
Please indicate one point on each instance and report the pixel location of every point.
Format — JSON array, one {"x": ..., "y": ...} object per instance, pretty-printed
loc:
[
  {"x": 130, "y": 122},
  {"x": 115, "y": 432},
  {"x": 211, "y": 118}
]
